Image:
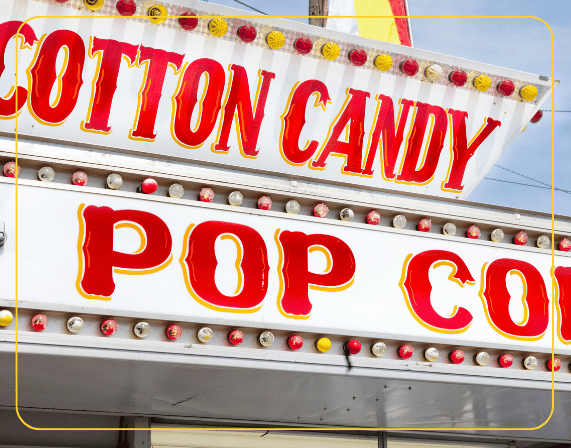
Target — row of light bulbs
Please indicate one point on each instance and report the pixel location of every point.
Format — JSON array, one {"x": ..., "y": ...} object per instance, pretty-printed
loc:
[
  {"x": 142, "y": 329},
  {"x": 176, "y": 191},
  {"x": 331, "y": 51}
]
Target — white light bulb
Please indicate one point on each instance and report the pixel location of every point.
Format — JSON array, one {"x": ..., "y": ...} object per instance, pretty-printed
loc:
[
  {"x": 482, "y": 358},
  {"x": 399, "y": 221},
  {"x": 293, "y": 207},
  {"x": 46, "y": 174},
  {"x": 431, "y": 354},
  {"x": 347, "y": 214},
  {"x": 530, "y": 362},
  {"x": 75, "y": 324},
  {"x": 497, "y": 236},
  {"x": 449, "y": 229},
  {"x": 266, "y": 338},
  {"x": 379, "y": 349},
  {"x": 176, "y": 191},
  {"x": 114, "y": 181},
  {"x": 235, "y": 198},
  {"x": 205, "y": 334},
  {"x": 543, "y": 242},
  {"x": 142, "y": 329}
]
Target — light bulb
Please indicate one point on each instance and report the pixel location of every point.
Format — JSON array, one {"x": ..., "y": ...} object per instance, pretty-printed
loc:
[
  {"x": 543, "y": 242},
  {"x": 431, "y": 354},
  {"x": 46, "y": 174},
  {"x": 235, "y": 198},
  {"x": 79, "y": 178},
  {"x": 449, "y": 229},
  {"x": 320, "y": 210},
  {"x": 399, "y": 221},
  {"x": 114, "y": 181},
  {"x": 176, "y": 191},
  {"x": 75, "y": 324},
  {"x": 142, "y": 329},
  {"x": 264, "y": 203},
  {"x": 482, "y": 358},
  {"x": 347, "y": 214},
  {"x": 379, "y": 349},
  {"x": 292, "y": 207},
  {"x": 204, "y": 334},
  {"x": 266, "y": 338},
  {"x": 530, "y": 362},
  {"x": 497, "y": 236},
  {"x": 323, "y": 345}
]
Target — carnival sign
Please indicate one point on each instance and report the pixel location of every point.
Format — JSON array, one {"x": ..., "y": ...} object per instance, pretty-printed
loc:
[
  {"x": 260, "y": 95},
  {"x": 205, "y": 262}
]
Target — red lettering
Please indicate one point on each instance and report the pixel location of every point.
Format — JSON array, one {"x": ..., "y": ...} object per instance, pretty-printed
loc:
[
  {"x": 247, "y": 122},
  {"x": 293, "y": 121},
  {"x": 108, "y": 53},
  {"x": 186, "y": 98},
  {"x": 384, "y": 131},
  {"x": 352, "y": 114},
  {"x": 434, "y": 144},
  {"x": 295, "y": 277},
  {"x": 97, "y": 259},
  {"x": 416, "y": 288},
  {"x": 563, "y": 278},
  {"x": 199, "y": 265},
  {"x": 462, "y": 152},
  {"x": 43, "y": 77},
  {"x": 8, "y": 30},
  {"x": 150, "y": 94},
  {"x": 496, "y": 299}
]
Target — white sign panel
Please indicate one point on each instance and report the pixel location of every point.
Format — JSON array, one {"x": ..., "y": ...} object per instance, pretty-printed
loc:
[
  {"x": 206, "y": 263},
  {"x": 262, "y": 95}
]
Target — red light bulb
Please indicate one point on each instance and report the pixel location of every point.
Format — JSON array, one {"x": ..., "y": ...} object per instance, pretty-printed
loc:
[
  {"x": 174, "y": 332},
  {"x": 39, "y": 322},
  {"x": 565, "y": 245},
  {"x": 506, "y": 87},
  {"x": 458, "y": 78},
  {"x": 149, "y": 186},
  {"x": 295, "y": 342},
  {"x": 247, "y": 33},
  {"x": 303, "y": 45},
  {"x": 457, "y": 356},
  {"x": 520, "y": 239},
  {"x": 188, "y": 21},
  {"x": 473, "y": 232},
  {"x": 373, "y": 218},
  {"x": 506, "y": 360},
  {"x": 206, "y": 195},
  {"x": 406, "y": 351},
  {"x": 538, "y": 116},
  {"x": 353, "y": 347},
  {"x": 409, "y": 67},
  {"x": 126, "y": 7},
  {"x": 79, "y": 178},
  {"x": 320, "y": 210},
  {"x": 236, "y": 337},
  {"x": 358, "y": 57},
  {"x": 109, "y": 327},
  {"x": 264, "y": 203},
  {"x": 424, "y": 225},
  {"x": 555, "y": 365},
  {"x": 10, "y": 169}
]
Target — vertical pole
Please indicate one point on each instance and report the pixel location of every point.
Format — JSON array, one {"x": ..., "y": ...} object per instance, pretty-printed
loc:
[
  {"x": 383, "y": 439},
  {"x": 316, "y": 8}
]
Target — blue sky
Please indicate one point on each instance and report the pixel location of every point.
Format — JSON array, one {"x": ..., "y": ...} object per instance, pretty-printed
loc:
[{"x": 521, "y": 44}]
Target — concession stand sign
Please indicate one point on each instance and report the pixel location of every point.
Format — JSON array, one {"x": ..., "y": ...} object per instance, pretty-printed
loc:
[
  {"x": 203, "y": 262},
  {"x": 272, "y": 99}
]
